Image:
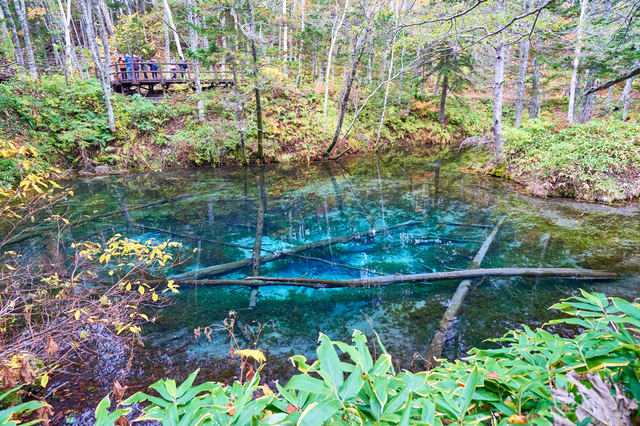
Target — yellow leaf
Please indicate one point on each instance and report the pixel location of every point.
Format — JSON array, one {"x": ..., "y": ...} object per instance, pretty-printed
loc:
[
  {"x": 44, "y": 380},
  {"x": 252, "y": 353},
  {"x": 141, "y": 290},
  {"x": 77, "y": 315},
  {"x": 154, "y": 297}
]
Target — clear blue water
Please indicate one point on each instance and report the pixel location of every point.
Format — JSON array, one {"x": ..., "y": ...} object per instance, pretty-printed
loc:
[{"x": 309, "y": 202}]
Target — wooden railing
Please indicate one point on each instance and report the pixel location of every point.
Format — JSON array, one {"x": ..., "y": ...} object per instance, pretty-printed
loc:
[{"x": 166, "y": 73}]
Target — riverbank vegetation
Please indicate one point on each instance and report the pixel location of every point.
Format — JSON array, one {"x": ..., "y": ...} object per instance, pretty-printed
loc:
[{"x": 292, "y": 85}]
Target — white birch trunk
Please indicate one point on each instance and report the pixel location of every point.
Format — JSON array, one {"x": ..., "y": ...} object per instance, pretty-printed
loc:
[
  {"x": 523, "y": 63},
  {"x": 21, "y": 10},
  {"x": 576, "y": 60},
  {"x": 87, "y": 17},
  {"x": 334, "y": 35},
  {"x": 626, "y": 97},
  {"x": 17, "y": 49},
  {"x": 174, "y": 30},
  {"x": 193, "y": 36},
  {"x": 386, "y": 90},
  {"x": 498, "y": 89}
]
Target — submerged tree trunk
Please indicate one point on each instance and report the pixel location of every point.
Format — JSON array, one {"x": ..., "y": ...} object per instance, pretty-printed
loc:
[
  {"x": 257, "y": 242},
  {"x": 523, "y": 62},
  {"x": 239, "y": 264},
  {"x": 434, "y": 352},
  {"x": 21, "y": 11},
  {"x": 576, "y": 60},
  {"x": 385, "y": 280}
]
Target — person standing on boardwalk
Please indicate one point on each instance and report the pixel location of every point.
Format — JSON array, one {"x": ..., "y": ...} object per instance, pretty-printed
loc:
[
  {"x": 153, "y": 66},
  {"x": 127, "y": 60},
  {"x": 174, "y": 67},
  {"x": 143, "y": 67},
  {"x": 136, "y": 66},
  {"x": 183, "y": 65},
  {"x": 122, "y": 68}
]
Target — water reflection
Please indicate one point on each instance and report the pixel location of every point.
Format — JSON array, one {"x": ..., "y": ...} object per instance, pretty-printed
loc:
[{"x": 217, "y": 212}]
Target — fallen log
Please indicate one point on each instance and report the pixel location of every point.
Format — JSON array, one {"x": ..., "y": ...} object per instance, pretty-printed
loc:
[
  {"x": 242, "y": 263},
  {"x": 434, "y": 352},
  {"x": 385, "y": 280},
  {"x": 224, "y": 243}
]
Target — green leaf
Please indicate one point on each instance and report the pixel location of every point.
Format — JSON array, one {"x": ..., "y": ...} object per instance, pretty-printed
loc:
[{"x": 329, "y": 362}]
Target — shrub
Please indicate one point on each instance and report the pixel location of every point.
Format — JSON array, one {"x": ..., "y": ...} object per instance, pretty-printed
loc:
[{"x": 535, "y": 377}]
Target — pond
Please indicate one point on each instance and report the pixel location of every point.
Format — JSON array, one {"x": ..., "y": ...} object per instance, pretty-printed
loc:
[{"x": 453, "y": 213}]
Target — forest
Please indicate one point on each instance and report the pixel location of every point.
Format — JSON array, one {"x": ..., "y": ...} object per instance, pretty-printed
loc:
[{"x": 319, "y": 212}]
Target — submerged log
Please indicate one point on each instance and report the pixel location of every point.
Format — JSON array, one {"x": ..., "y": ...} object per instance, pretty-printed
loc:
[
  {"x": 434, "y": 352},
  {"x": 239, "y": 264},
  {"x": 257, "y": 241},
  {"x": 408, "y": 278}
]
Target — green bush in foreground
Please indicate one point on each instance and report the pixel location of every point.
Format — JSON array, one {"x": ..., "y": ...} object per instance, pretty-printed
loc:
[{"x": 535, "y": 377}]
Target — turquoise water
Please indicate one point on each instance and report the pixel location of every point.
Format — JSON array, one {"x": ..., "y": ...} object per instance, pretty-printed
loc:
[{"x": 310, "y": 202}]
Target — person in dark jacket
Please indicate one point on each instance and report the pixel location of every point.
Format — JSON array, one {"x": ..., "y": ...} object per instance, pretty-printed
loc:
[
  {"x": 136, "y": 66},
  {"x": 153, "y": 66},
  {"x": 143, "y": 67}
]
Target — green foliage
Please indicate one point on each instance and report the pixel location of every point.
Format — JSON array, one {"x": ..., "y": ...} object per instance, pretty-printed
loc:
[
  {"x": 8, "y": 415},
  {"x": 347, "y": 385},
  {"x": 579, "y": 160}
]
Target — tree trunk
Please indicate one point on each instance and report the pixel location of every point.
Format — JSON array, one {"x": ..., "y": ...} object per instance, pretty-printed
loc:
[
  {"x": 386, "y": 90},
  {"x": 301, "y": 47},
  {"x": 523, "y": 62},
  {"x": 65, "y": 17},
  {"x": 193, "y": 36},
  {"x": 21, "y": 11},
  {"x": 256, "y": 89},
  {"x": 174, "y": 30},
  {"x": 334, "y": 35},
  {"x": 87, "y": 16},
  {"x": 239, "y": 264},
  {"x": 498, "y": 89},
  {"x": 588, "y": 101},
  {"x": 626, "y": 98},
  {"x": 385, "y": 280},
  {"x": 443, "y": 98},
  {"x": 356, "y": 56},
  {"x": 167, "y": 40},
  {"x": 284, "y": 30},
  {"x": 257, "y": 242},
  {"x": 576, "y": 60},
  {"x": 534, "y": 103},
  {"x": 434, "y": 352},
  {"x": 17, "y": 50},
  {"x": 608, "y": 101}
]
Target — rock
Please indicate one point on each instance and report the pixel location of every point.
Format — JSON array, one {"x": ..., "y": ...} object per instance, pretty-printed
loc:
[{"x": 102, "y": 169}]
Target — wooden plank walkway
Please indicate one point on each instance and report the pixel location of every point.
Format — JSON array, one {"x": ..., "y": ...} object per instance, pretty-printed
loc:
[{"x": 152, "y": 78}]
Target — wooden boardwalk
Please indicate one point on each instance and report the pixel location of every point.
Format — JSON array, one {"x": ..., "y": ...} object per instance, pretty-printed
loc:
[{"x": 151, "y": 79}]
